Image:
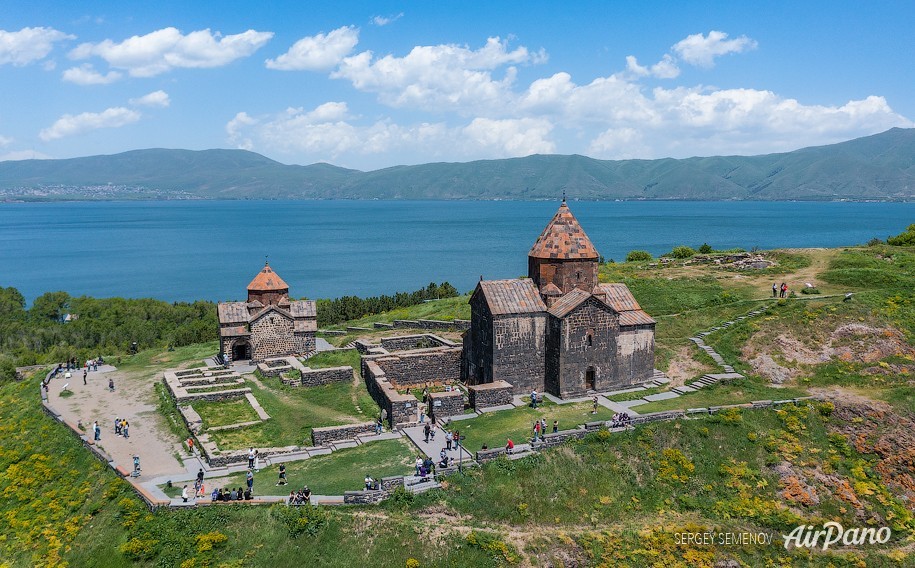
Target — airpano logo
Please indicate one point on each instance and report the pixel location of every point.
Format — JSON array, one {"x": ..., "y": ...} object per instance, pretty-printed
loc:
[{"x": 833, "y": 533}]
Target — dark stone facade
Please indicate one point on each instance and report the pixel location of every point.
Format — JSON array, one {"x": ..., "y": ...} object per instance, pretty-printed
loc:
[
  {"x": 567, "y": 275},
  {"x": 318, "y": 377},
  {"x": 419, "y": 367},
  {"x": 400, "y": 408},
  {"x": 445, "y": 404},
  {"x": 580, "y": 351},
  {"x": 498, "y": 393}
]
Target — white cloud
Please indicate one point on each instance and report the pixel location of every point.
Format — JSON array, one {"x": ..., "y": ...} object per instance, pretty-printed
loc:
[
  {"x": 510, "y": 137},
  {"x": 385, "y": 20},
  {"x": 28, "y": 44},
  {"x": 162, "y": 50},
  {"x": 439, "y": 77},
  {"x": 154, "y": 99},
  {"x": 234, "y": 130},
  {"x": 701, "y": 50},
  {"x": 666, "y": 68},
  {"x": 85, "y": 74},
  {"x": 23, "y": 155},
  {"x": 4, "y": 141},
  {"x": 69, "y": 125},
  {"x": 317, "y": 52}
]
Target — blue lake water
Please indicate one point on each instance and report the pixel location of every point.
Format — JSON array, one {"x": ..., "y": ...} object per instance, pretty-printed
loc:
[{"x": 187, "y": 250}]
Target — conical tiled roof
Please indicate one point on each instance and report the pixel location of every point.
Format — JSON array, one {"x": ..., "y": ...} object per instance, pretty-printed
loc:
[
  {"x": 267, "y": 280},
  {"x": 563, "y": 238}
]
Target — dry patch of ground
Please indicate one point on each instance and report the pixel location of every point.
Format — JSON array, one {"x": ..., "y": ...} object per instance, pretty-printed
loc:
[{"x": 683, "y": 368}]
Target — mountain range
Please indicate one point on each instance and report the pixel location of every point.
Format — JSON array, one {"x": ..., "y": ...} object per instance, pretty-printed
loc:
[{"x": 878, "y": 167}]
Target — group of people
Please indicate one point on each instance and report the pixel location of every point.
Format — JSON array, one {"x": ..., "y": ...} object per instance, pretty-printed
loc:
[
  {"x": 121, "y": 427},
  {"x": 300, "y": 497},
  {"x": 425, "y": 467},
  {"x": 540, "y": 428},
  {"x": 620, "y": 420},
  {"x": 779, "y": 291},
  {"x": 254, "y": 459},
  {"x": 233, "y": 494}
]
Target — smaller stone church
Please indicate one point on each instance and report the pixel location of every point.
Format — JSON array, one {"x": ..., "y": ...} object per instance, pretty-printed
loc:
[
  {"x": 559, "y": 330},
  {"x": 269, "y": 324}
]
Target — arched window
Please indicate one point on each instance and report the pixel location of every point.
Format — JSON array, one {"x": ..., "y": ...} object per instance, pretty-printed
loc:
[{"x": 590, "y": 340}]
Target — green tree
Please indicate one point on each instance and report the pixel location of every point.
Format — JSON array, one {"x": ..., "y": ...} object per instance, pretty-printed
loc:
[
  {"x": 638, "y": 256},
  {"x": 706, "y": 248},
  {"x": 51, "y": 306},
  {"x": 682, "y": 252}
]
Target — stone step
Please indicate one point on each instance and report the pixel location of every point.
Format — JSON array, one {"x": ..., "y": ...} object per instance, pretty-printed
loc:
[
  {"x": 424, "y": 486},
  {"x": 683, "y": 389}
]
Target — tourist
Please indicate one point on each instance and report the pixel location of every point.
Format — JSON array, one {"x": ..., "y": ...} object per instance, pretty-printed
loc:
[
  {"x": 542, "y": 426},
  {"x": 306, "y": 494},
  {"x": 124, "y": 428},
  {"x": 216, "y": 495},
  {"x": 443, "y": 463},
  {"x": 239, "y": 495},
  {"x": 555, "y": 426},
  {"x": 536, "y": 430},
  {"x": 432, "y": 434},
  {"x": 282, "y": 479},
  {"x": 456, "y": 436},
  {"x": 200, "y": 475},
  {"x": 84, "y": 377},
  {"x": 449, "y": 439},
  {"x": 594, "y": 405},
  {"x": 442, "y": 454},
  {"x": 96, "y": 431},
  {"x": 426, "y": 430},
  {"x": 233, "y": 495},
  {"x": 250, "y": 480},
  {"x": 509, "y": 446},
  {"x": 534, "y": 398},
  {"x": 369, "y": 482},
  {"x": 111, "y": 384},
  {"x": 257, "y": 460},
  {"x": 201, "y": 492},
  {"x": 117, "y": 426},
  {"x": 190, "y": 445},
  {"x": 485, "y": 447},
  {"x": 419, "y": 464},
  {"x": 247, "y": 495},
  {"x": 184, "y": 493},
  {"x": 774, "y": 290},
  {"x": 378, "y": 426},
  {"x": 251, "y": 458},
  {"x": 293, "y": 498}
]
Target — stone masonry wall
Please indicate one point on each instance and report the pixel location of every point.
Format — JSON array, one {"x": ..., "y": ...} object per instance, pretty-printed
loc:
[
  {"x": 519, "y": 349},
  {"x": 272, "y": 336},
  {"x": 416, "y": 368},
  {"x": 588, "y": 341},
  {"x": 328, "y": 434},
  {"x": 401, "y": 408},
  {"x": 445, "y": 404},
  {"x": 433, "y": 324},
  {"x": 419, "y": 341},
  {"x": 492, "y": 394},
  {"x": 636, "y": 354},
  {"x": 318, "y": 377}
]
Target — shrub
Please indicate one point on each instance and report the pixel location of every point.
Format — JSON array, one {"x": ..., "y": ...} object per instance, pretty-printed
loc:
[
  {"x": 905, "y": 239},
  {"x": 638, "y": 256},
  {"x": 682, "y": 252},
  {"x": 706, "y": 248},
  {"x": 497, "y": 549},
  {"x": 139, "y": 549},
  {"x": 209, "y": 541},
  {"x": 875, "y": 242},
  {"x": 810, "y": 291},
  {"x": 675, "y": 466},
  {"x": 401, "y": 498},
  {"x": 300, "y": 519}
]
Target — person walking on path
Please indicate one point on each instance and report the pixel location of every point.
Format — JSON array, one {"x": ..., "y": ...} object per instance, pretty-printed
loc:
[
  {"x": 200, "y": 476},
  {"x": 96, "y": 431},
  {"x": 84, "y": 377},
  {"x": 448, "y": 438},
  {"x": 426, "y": 430},
  {"x": 111, "y": 384},
  {"x": 250, "y": 480},
  {"x": 184, "y": 494}
]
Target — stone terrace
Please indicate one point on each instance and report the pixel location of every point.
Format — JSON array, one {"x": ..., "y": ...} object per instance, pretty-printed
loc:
[{"x": 205, "y": 383}]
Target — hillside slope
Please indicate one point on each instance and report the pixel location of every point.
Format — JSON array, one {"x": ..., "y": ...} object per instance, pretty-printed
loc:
[{"x": 878, "y": 167}]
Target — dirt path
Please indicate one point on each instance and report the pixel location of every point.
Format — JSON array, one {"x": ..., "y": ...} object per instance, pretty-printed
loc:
[{"x": 131, "y": 399}]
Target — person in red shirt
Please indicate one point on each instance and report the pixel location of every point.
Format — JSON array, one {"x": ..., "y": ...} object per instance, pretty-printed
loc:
[{"x": 509, "y": 446}]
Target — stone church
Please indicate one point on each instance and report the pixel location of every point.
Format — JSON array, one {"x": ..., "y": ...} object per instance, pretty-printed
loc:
[
  {"x": 559, "y": 330},
  {"x": 269, "y": 324}
]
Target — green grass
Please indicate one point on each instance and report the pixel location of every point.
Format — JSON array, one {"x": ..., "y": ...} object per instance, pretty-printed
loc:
[
  {"x": 332, "y": 474},
  {"x": 225, "y": 412},
  {"x": 720, "y": 394},
  {"x": 494, "y": 428},
  {"x": 294, "y": 411},
  {"x": 444, "y": 309},
  {"x": 325, "y": 359},
  {"x": 150, "y": 361}
]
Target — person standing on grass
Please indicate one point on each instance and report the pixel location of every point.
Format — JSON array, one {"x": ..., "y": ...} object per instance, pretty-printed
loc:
[
  {"x": 594, "y": 404},
  {"x": 536, "y": 430},
  {"x": 555, "y": 426},
  {"x": 282, "y": 479},
  {"x": 419, "y": 464},
  {"x": 542, "y": 427},
  {"x": 250, "y": 481}
]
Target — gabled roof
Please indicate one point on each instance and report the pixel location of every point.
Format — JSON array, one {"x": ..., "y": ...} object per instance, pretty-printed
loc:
[
  {"x": 551, "y": 290},
  {"x": 516, "y": 296},
  {"x": 267, "y": 281},
  {"x": 635, "y": 317},
  {"x": 569, "y": 302},
  {"x": 619, "y": 297},
  {"x": 256, "y": 316},
  {"x": 563, "y": 238},
  {"x": 232, "y": 312}
]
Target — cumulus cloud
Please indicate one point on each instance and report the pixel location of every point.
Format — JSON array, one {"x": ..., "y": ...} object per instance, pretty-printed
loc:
[
  {"x": 87, "y": 75},
  {"x": 511, "y": 137},
  {"x": 701, "y": 50},
  {"x": 28, "y": 44},
  {"x": 69, "y": 125},
  {"x": 322, "y": 51},
  {"x": 154, "y": 99},
  {"x": 666, "y": 68},
  {"x": 162, "y": 50},
  {"x": 439, "y": 77},
  {"x": 385, "y": 20}
]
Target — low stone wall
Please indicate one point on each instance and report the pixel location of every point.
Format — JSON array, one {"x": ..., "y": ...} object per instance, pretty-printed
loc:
[
  {"x": 241, "y": 456},
  {"x": 417, "y": 341},
  {"x": 317, "y": 377},
  {"x": 182, "y": 384},
  {"x": 335, "y": 332},
  {"x": 325, "y": 435},
  {"x": 401, "y": 408},
  {"x": 497, "y": 393},
  {"x": 416, "y": 368},
  {"x": 214, "y": 396},
  {"x": 193, "y": 420},
  {"x": 365, "y": 497},
  {"x": 459, "y": 325},
  {"x": 363, "y": 346},
  {"x": 445, "y": 404}
]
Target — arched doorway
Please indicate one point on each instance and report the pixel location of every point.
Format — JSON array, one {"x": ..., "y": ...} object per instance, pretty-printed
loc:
[
  {"x": 241, "y": 351},
  {"x": 589, "y": 379}
]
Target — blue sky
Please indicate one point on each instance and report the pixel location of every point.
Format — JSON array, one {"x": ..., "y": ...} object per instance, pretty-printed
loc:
[{"x": 368, "y": 85}]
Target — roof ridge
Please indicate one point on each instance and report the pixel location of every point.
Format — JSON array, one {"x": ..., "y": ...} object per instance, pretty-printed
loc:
[{"x": 563, "y": 238}]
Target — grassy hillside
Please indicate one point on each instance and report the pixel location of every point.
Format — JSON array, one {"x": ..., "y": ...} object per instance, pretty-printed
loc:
[
  {"x": 874, "y": 167},
  {"x": 609, "y": 500}
]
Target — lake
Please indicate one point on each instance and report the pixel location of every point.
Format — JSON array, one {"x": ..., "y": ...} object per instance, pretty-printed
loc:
[{"x": 187, "y": 250}]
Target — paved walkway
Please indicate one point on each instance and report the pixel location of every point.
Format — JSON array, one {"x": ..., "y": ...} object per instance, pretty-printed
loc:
[{"x": 433, "y": 448}]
